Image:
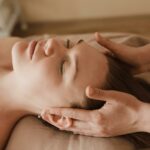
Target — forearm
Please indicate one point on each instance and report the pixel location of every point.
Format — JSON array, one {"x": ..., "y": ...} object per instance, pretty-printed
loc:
[{"x": 144, "y": 118}]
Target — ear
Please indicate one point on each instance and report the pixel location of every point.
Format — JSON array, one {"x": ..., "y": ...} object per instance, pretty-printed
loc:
[{"x": 60, "y": 122}]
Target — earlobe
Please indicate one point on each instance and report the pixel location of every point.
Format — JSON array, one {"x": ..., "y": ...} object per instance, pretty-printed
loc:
[{"x": 60, "y": 122}]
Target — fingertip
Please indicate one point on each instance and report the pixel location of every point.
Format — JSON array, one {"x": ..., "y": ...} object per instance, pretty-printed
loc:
[
  {"x": 95, "y": 93},
  {"x": 97, "y": 35},
  {"x": 100, "y": 39},
  {"x": 89, "y": 91}
]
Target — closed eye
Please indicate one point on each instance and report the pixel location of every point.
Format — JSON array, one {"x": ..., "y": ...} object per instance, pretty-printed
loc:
[
  {"x": 63, "y": 65},
  {"x": 68, "y": 43}
]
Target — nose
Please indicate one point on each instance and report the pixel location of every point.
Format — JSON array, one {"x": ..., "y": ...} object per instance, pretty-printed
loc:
[{"x": 51, "y": 46}]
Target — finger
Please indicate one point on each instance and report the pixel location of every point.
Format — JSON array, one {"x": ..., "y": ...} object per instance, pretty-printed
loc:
[
  {"x": 77, "y": 130},
  {"x": 143, "y": 68},
  {"x": 86, "y": 132},
  {"x": 99, "y": 94},
  {"x": 79, "y": 125},
  {"x": 116, "y": 48},
  {"x": 121, "y": 51},
  {"x": 79, "y": 114}
]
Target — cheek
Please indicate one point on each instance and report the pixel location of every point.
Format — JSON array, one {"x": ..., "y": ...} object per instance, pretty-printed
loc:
[
  {"x": 62, "y": 96},
  {"x": 48, "y": 80},
  {"x": 73, "y": 95},
  {"x": 18, "y": 51},
  {"x": 66, "y": 96},
  {"x": 59, "y": 97},
  {"x": 50, "y": 73}
]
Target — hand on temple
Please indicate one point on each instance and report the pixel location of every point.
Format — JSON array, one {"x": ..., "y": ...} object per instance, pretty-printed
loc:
[
  {"x": 139, "y": 57},
  {"x": 121, "y": 114}
]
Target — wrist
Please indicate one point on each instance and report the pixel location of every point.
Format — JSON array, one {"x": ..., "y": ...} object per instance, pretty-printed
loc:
[{"x": 143, "y": 123}]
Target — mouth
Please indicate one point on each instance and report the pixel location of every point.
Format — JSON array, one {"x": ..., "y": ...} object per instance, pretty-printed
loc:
[{"x": 32, "y": 47}]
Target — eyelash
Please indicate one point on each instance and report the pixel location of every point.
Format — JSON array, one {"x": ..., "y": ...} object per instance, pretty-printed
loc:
[
  {"x": 67, "y": 45},
  {"x": 62, "y": 67},
  {"x": 65, "y": 60}
]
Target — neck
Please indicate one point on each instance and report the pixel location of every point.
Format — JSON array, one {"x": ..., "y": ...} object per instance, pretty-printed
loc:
[{"x": 14, "y": 104}]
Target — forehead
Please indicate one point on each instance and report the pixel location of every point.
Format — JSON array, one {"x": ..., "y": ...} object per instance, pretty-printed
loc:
[
  {"x": 92, "y": 70},
  {"x": 93, "y": 64}
]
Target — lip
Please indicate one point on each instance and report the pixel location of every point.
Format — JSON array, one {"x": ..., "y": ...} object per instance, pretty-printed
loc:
[{"x": 32, "y": 46}]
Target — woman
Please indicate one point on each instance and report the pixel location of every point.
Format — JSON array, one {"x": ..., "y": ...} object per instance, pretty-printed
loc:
[{"x": 39, "y": 70}]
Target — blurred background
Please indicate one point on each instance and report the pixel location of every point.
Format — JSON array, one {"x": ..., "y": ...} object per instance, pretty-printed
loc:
[{"x": 34, "y": 17}]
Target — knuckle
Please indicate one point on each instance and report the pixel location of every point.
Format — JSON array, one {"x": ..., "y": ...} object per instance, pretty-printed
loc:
[
  {"x": 98, "y": 119},
  {"x": 101, "y": 94},
  {"x": 98, "y": 93}
]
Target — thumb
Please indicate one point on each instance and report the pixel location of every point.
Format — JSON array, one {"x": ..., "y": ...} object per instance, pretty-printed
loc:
[
  {"x": 99, "y": 94},
  {"x": 141, "y": 69}
]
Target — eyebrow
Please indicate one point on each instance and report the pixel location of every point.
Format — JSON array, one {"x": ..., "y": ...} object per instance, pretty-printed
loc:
[
  {"x": 80, "y": 41},
  {"x": 77, "y": 43}
]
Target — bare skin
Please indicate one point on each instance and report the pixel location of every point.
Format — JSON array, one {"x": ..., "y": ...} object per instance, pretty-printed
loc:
[
  {"x": 105, "y": 122},
  {"x": 139, "y": 57},
  {"x": 32, "y": 73},
  {"x": 18, "y": 102},
  {"x": 10, "y": 114}
]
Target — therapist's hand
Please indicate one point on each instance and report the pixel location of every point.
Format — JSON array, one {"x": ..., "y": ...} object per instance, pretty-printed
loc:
[
  {"x": 139, "y": 57},
  {"x": 119, "y": 115}
]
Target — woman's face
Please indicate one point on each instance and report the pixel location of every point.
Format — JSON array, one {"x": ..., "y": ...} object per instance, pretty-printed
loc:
[{"x": 57, "y": 75}]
